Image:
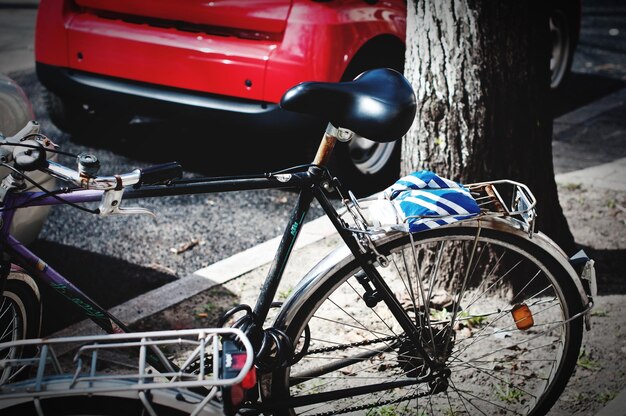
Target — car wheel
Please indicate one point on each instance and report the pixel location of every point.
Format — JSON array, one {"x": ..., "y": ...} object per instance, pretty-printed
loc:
[
  {"x": 563, "y": 44},
  {"x": 57, "y": 110},
  {"x": 81, "y": 121},
  {"x": 365, "y": 166}
]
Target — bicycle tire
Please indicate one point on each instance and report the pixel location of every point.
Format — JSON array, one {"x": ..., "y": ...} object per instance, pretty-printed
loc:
[
  {"x": 493, "y": 370},
  {"x": 165, "y": 402},
  {"x": 91, "y": 406},
  {"x": 20, "y": 318}
]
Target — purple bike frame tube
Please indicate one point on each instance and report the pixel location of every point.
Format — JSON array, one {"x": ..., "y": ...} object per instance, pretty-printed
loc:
[
  {"x": 18, "y": 200},
  {"x": 34, "y": 199},
  {"x": 36, "y": 267}
]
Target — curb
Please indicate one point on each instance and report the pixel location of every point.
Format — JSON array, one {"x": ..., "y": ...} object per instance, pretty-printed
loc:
[
  {"x": 583, "y": 114},
  {"x": 218, "y": 273},
  {"x": 606, "y": 176}
]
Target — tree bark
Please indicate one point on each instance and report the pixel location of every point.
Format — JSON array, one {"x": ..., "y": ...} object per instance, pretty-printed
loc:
[{"x": 480, "y": 70}]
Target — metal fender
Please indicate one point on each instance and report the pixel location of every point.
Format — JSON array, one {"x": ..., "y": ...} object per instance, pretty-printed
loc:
[
  {"x": 320, "y": 274},
  {"x": 17, "y": 273}
]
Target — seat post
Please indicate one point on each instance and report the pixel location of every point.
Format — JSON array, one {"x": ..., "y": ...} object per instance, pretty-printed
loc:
[
  {"x": 331, "y": 135},
  {"x": 325, "y": 150}
]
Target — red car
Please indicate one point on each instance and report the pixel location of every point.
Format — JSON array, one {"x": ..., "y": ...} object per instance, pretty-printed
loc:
[{"x": 226, "y": 60}]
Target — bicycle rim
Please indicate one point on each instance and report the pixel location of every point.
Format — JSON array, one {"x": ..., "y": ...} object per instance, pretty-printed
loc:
[
  {"x": 11, "y": 329},
  {"x": 20, "y": 318},
  {"x": 463, "y": 288}
]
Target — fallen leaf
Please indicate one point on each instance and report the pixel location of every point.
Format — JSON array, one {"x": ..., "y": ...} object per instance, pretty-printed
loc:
[
  {"x": 185, "y": 246},
  {"x": 162, "y": 268}
]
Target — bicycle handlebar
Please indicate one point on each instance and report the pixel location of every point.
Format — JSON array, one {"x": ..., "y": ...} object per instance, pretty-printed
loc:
[
  {"x": 153, "y": 175},
  {"x": 159, "y": 174},
  {"x": 92, "y": 182},
  {"x": 29, "y": 154}
]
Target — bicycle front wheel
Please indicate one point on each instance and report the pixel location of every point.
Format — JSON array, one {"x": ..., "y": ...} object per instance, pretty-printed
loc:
[
  {"x": 496, "y": 313},
  {"x": 116, "y": 402},
  {"x": 20, "y": 318}
]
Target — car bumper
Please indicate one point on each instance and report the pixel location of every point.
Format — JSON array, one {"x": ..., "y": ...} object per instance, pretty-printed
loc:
[{"x": 143, "y": 99}]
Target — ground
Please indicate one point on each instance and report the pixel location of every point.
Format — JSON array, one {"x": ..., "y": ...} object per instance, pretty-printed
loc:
[{"x": 597, "y": 219}]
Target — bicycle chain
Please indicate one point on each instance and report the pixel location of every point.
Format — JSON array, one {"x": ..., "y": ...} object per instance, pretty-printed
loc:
[
  {"x": 372, "y": 405},
  {"x": 208, "y": 359},
  {"x": 364, "y": 406},
  {"x": 354, "y": 344},
  {"x": 194, "y": 366}
]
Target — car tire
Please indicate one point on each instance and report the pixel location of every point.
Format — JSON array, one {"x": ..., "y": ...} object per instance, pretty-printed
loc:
[
  {"x": 57, "y": 110},
  {"x": 365, "y": 166},
  {"x": 83, "y": 123},
  {"x": 564, "y": 37}
]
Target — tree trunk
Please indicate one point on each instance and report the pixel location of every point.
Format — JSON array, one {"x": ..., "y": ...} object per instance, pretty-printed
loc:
[{"x": 480, "y": 70}]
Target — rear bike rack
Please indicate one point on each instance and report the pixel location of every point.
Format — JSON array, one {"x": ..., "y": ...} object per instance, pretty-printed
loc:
[{"x": 117, "y": 363}]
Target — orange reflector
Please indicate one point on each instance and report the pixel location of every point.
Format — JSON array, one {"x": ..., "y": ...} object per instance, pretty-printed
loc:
[{"x": 523, "y": 316}]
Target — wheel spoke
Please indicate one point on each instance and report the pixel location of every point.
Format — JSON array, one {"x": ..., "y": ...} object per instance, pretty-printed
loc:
[
  {"x": 480, "y": 336},
  {"x": 467, "y": 400},
  {"x": 487, "y": 363}
]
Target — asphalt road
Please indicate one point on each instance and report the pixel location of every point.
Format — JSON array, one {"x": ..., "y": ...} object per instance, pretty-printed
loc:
[
  {"x": 128, "y": 255},
  {"x": 113, "y": 259}
]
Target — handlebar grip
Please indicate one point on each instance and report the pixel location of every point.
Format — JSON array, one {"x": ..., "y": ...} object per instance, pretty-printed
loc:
[{"x": 160, "y": 174}]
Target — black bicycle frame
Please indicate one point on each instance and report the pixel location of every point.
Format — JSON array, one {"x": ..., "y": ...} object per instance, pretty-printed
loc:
[
  {"x": 310, "y": 182},
  {"x": 305, "y": 182}
]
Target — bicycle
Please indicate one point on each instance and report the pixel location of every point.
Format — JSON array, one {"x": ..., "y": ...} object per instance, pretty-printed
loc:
[{"x": 435, "y": 312}]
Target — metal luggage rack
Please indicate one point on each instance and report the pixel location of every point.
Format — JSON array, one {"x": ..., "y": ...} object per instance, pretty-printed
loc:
[
  {"x": 491, "y": 198},
  {"x": 87, "y": 372}
]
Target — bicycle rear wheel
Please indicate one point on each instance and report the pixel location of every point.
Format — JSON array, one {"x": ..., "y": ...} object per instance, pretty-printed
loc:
[
  {"x": 462, "y": 288},
  {"x": 20, "y": 318}
]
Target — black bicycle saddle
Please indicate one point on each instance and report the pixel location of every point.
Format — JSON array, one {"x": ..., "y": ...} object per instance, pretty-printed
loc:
[{"x": 379, "y": 104}]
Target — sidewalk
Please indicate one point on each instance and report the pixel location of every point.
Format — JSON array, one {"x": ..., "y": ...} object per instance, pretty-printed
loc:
[
  {"x": 594, "y": 137},
  {"x": 17, "y": 20}
]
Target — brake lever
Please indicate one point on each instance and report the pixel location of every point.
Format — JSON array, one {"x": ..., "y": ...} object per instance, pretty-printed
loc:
[
  {"x": 111, "y": 205},
  {"x": 6, "y": 151}
]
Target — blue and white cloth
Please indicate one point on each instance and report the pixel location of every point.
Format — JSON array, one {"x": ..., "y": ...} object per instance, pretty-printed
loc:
[{"x": 424, "y": 200}]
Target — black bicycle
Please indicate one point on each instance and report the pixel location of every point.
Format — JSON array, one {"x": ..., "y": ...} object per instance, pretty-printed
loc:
[{"x": 443, "y": 312}]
